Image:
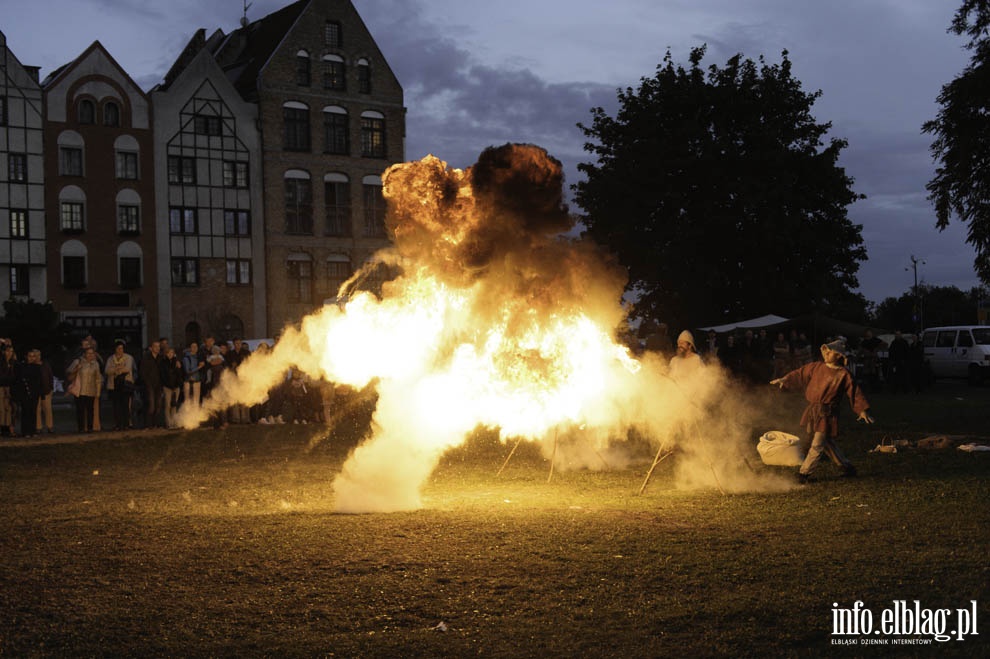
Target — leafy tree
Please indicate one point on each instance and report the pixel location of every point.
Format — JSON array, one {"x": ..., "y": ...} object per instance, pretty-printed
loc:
[
  {"x": 29, "y": 324},
  {"x": 961, "y": 131},
  {"x": 716, "y": 194},
  {"x": 934, "y": 306}
]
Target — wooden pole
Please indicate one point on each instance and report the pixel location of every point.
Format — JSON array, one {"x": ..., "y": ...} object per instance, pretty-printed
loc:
[
  {"x": 656, "y": 460},
  {"x": 509, "y": 457},
  {"x": 553, "y": 456}
]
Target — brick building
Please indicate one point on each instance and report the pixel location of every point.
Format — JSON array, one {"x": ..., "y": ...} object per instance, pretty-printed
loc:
[
  {"x": 332, "y": 120},
  {"x": 22, "y": 181},
  {"x": 100, "y": 198}
]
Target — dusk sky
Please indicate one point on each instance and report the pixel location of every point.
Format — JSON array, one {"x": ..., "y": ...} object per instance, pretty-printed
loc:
[{"x": 479, "y": 73}]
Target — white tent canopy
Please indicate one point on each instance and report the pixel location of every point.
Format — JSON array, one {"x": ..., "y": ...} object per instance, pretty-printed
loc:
[{"x": 753, "y": 323}]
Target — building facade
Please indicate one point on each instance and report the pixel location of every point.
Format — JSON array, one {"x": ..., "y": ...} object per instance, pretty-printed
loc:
[
  {"x": 22, "y": 181},
  {"x": 211, "y": 269},
  {"x": 100, "y": 198},
  {"x": 332, "y": 120}
]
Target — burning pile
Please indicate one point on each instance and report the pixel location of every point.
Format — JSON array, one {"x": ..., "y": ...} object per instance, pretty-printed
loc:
[{"x": 495, "y": 320}]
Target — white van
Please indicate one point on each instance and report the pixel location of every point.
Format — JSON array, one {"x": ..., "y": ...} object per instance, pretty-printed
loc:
[{"x": 959, "y": 351}]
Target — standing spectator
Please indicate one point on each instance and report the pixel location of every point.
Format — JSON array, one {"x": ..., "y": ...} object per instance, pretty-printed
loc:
[
  {"x": 781, "y": 356},
  {"x": 916, "y": 367},
  {"x": 151, "y": 379},
  {"x": 710, "y": 352},
  {"x": 897, "y": 356},
  {"x": 686, "y": 361},
  {"x": 824, "y": 383},
  {"x": 729, "y": 355},
  {"x": 87, "y": 383},
  {"x": 172, "y": 376},
  {"x": 120, "y": 384},
  {"x": 215, "y": 366},
  {"x": 764, "y": 355},
  {"x": 28, "y": 388},
  {"x": 44, "y": 418},
  {"x": 868, "y": 349},
  {"x": 192, "y": 367},
  {"x": 8, "y": 374},
  {"x": 801, "y": 348},
  {"x": 238, "y": 412}
]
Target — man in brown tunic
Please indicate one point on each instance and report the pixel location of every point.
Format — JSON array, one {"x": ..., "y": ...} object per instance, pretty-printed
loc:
[{"x": 823, "y": 384}]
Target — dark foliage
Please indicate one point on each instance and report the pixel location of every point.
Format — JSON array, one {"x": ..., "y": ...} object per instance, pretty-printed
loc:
[
  {"x": 718, "y": 194},
  {"x": 961, "y": 133}
]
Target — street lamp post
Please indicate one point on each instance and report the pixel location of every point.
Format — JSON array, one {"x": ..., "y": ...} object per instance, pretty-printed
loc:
[{"x": 919, "y": 314}]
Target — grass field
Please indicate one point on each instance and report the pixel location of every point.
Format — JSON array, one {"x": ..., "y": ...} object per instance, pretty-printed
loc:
[{"x": 225, "y": 543}]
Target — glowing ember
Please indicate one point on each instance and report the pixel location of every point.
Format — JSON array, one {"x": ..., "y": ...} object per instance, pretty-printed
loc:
[{"x": 494, "y": 321}]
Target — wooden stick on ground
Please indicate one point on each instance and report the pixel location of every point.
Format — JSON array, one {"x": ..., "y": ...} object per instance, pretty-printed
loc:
[
  {"x": 656, "y": 460},
  {"x": 509, "y": 457},
  {"x": 553, "y": 456}
]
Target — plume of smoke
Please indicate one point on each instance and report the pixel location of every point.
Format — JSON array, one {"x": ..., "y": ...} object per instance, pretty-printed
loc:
[{"x": 495, "y": 320}]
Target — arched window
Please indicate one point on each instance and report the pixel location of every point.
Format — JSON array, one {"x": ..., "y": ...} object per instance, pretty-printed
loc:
[
  {"x": 374, "y": 207},
  {"x": 74, "y": 255},
  {"x": 111, "y": 114},
  {"x": 128, "y": 212},
  {"x": 364, "y": 76},
  {"x": 337, "y": 194},
  {"x": 129, "y": 271},
  {"x": 87, "y": 111},
  {"x": 72, "y": 209},
  {"x": 338, "y": 271},
  {"x": 299, "y": 275},
  {"x": 298, "y": 202},
  {"x": 229, "y": 327},
  {"x": 296, "y": 117},
  {"x": 302, "y": 69},
  {"x": 71, "y": 154},
  {"x": 334, "y": 73},
  {"x": 372, "y": 134},
  {"x": 337, "y": 129},
  {"x": 126, "y": 152}
]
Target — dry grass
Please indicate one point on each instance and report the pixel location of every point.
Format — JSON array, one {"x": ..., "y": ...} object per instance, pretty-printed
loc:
[{"x": 215, "y": 543}]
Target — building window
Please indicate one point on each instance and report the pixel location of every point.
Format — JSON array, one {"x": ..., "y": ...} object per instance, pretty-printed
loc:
[
  {"x": 205, "y": 124},
  {"x": 332, "y": 34},
  {"x": 19, "y": 280},
  {"x": 235, "y": 174},
  {"x": 182, "y": 220},
  {"x": 337, "y": 273},
  {"x": 334, "y": 74},
  {"x": 238, "y": 272},
  {"x": 338, "y": 199},
  {"x": 130, "y": 272},
  {"x": 87, "y": 112},
  {"x": 127, "y": 165},
  {"x": 372, "y": 137},
  {"x": 17, "y": 167},
  {"x": 128, "y": 220},
  {"x": 300, "y": 275},
  {"x": 296, "y": 129},
  {"x": 111, "y": 115},
  {"x": 185, "y": 272},
  {"x": 364, "y": 76},
  {"x": 70, "y": 161},
  {"x": 181, "y": 170},
  {"x": 74, "y": 271},
  {"x": 3, "y": 110},
  {"x": 374, "y": 211},
  {"x": 302, "y": 70},
  {"x": 337, "y": 139},
  {"x": 71, "y": 216},
  {"x": 298, "y": 206},
  {"x": 18, "y": 223},
  {"x": 236, "y": 223}
]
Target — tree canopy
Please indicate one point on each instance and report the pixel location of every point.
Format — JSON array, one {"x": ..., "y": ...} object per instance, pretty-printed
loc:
[
  {"x": 717, "y": 193},
  {"x": 961, "y": 132}
]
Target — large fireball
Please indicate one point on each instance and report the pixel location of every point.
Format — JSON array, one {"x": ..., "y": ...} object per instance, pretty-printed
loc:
[{"x": 495, "y": 320}]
